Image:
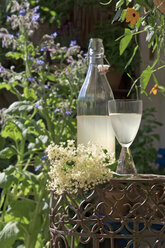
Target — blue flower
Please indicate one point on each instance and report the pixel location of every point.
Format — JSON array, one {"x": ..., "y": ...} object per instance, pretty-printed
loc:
[
  {"x": 37, "y": 167},
  {"x": 43, "y": 48},
  {"x": 22, "y": 12},
  {"x": 44, "y": 157},
  {"x": 17, "y": 34},
  {"x": 7, "y": 17},
  {"x": 36, "y": 105},
  {"x": 11, "y": 35},
  {"x": 73, "y": 42},
  {"x": 46, "y": 87},
  {"x": 54, "y": 35},
  {"x": 56, "y": 110},
  {"x": 2, "y": 69},
  {"x": 35, "y": 17},
  {"x": 85, "y": 54},
  {"x": 68, "y": 112},
  {"x": 30, "y": 79},
  {"x": 29, "y": 58},
  {"x": 36, "y": 8},
  {"x": 40, "y": 62}
]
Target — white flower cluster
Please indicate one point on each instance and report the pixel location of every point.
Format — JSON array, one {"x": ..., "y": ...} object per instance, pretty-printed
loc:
[{"x": 81, "y": 167}]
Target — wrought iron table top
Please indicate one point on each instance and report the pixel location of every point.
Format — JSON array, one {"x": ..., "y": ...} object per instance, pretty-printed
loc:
[{"x": 127, "y": 212}]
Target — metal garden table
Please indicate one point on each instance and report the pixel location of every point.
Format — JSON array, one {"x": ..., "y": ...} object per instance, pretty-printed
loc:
[{"x": 124, "y": 213}]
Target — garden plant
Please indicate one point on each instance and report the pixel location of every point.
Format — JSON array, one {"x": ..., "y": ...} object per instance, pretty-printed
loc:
[
  {"x": 143, "y": 16},
  {"x": 45, "y": 83}
]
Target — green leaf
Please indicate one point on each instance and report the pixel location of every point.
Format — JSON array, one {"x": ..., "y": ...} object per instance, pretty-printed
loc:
[
  {"x": 6, "y": 180},
  {"x": 150, "y": 34},
  {"x": 112, "y": 166},
  {"x": 155, "y": 79},
  {"x": 5, "y": 86},
  {"x": 123, "y": 15},
  {"x": 117, "y": 15},
  {"x": 43, "y": 138},
  {"x": 9, "y": 234},
  {"x": 145, "y": 77},
  {"x": 53, "y": 13},
  {"x": 46, "y": 9},
  {"x": 130, "y": 60},
  {"x": 125, "y": 40},
  {"x": 20, "y": 106},
  {"x": 22, "y": 209},
  {"x": 29, "y": 94},
  {"x": 128, "y": 1},
  {"x": 3, "y": 179},
  {"x": 119, "y": 3},
  {"x": 30, "y": 176},
  {"x": 14, "y": 55},
  {"x": 10, "y": 170},
  {"x": 52, "y": 77},
  {"x": 162, "y": 89},
  {"x": 41, "y": 124},
  {"x": 12, "y": 131},
  {"x": 7, "y": 153}
]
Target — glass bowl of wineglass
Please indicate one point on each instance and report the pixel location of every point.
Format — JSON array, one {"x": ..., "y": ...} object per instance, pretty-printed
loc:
[{"x": 125, "y": 115}]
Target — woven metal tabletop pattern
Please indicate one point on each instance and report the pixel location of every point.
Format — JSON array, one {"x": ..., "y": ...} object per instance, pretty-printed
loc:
[{"x": 124, "y": 213}]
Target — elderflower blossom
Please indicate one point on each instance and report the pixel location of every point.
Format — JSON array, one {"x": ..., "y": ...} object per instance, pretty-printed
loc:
[{"x": 73, "y": 168}]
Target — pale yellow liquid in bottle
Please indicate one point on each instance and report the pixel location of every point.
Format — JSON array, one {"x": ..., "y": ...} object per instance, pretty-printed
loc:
[{"x": 97, "y": 130}]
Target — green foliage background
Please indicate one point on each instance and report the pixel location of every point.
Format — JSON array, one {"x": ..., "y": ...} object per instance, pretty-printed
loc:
[
  {"x": 46, "y": 85},
  {"x": 45, "y": 80}
]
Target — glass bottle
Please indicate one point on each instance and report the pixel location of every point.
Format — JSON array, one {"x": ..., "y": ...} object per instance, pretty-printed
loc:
[{"x": 93, "y": 121}]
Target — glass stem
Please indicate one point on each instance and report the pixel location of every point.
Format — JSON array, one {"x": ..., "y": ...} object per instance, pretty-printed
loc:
[{"x": 125, "y": 163}]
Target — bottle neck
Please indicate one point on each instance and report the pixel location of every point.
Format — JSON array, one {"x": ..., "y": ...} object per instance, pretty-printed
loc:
[{"x": 98, "y": 60}]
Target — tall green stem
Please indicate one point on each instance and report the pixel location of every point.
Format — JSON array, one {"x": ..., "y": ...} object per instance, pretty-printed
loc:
[
  {"x": 33, "y": 231},
  {"x": 49, "y": 125}
]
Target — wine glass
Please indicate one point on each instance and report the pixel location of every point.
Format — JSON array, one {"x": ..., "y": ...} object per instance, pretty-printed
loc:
[{"x": 125, "y": 115}]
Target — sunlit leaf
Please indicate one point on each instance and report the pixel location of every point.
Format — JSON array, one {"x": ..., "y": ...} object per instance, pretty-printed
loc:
[
  {"x": 14, "y": 55},
  {"x": 145, "y": 77},
  {"x": 11, "y": 130},
  {"x": 123, "y": 15},
  {"x": 5, "y": 86},
  {"x": 7, "y": 153},
  {"x": 125, "y": 40},
  {"x": 119, "y": 3},
  {"x": 9, "y": 234},
  {"x": 20, "y": 106},
  {"x": 29, "y": 93}
]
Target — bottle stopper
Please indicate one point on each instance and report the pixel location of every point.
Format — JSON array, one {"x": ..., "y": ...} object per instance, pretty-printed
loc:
[{"x": 103, "y": 68}]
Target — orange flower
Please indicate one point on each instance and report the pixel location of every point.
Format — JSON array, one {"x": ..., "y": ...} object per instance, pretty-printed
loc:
[
  {"x": 132, "y": 16},
  {"x": 154, "y": 90}
]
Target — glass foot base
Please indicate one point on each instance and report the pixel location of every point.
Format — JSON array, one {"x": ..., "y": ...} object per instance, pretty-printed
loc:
[{"x": 125, "y": 163}]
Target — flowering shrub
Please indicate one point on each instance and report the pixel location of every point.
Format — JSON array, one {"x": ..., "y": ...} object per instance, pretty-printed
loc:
[
  {"x": 82, "y": 167},
  {"x": 45, "y": 80},
  {"x": 46, "y": 84},
  {"x": 143, "y": 16}
]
